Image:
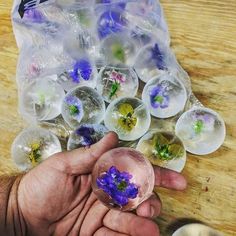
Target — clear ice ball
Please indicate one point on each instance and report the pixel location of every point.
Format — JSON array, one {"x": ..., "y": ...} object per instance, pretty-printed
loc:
[
  {"x": 163, "y": 149},
  {"x": 116, "y": 82},
  {"x": 83, "y": 105},
  {"x": 41, "y": 99},
  {"x": 32, "y": 146},
  {"x": 201, "y": 129},
  {"x": 123, "y": 178},
  {"x": 82, "y": 73},
  {"x": 118, "y": 49},
  {"x": 86, "y": 135},
  {"x": 165, "y": 96},
  {"x": 128, "y": 117}
]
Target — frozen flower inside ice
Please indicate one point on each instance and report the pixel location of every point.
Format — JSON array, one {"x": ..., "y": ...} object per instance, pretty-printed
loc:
[
  {"x": 75, "y": 107},
  {"x": 34, "y": 16},
  {"x": 127, "y": 119},
  {"x": 110, "y": 22},
  {"x": 118, "y": 52},
  {"x": 82, "y": 70},
  {"x": 86, "y": 133},
  {"x": 116, "y": 78},
  {"x": 159, "y": 97},
  {"x": 35, "y": 153},
  {"x": 165, "y": 151},
  {"x": 203, "y": 122},
  {"x": 118, "y": 186},
  {"x": 158, "y": 57}
]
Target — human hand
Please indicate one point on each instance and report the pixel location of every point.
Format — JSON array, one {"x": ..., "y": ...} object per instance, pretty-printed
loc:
[{"x": 56, "y": 198}]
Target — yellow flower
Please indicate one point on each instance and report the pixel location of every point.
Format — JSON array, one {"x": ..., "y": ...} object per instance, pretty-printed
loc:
[
  {"x": 164, "y": 150},
  {"x": 127, "y": 120},
  {"x": 35, "y": 153}
]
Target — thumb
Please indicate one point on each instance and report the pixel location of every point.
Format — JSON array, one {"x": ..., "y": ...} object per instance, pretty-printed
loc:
[{"x": 82, "y": 160}]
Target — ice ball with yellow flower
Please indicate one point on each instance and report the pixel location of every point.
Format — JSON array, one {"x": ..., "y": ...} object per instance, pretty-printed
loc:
[{"x": 128, "y": 117}]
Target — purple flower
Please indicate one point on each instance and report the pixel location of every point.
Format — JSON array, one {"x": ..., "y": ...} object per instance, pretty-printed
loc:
[
  {"x": 159, "y": 97},
  {"x": 82, "y": 70},
  {"x": 91, "y": 133},
  {"x": 34, "y": 16},
  {"x": 117, "y": 185},
  {"x": 86, "y": 133},
  {"x": 158, "y": 57},
  {"x": 202, "y": 122},
  {"x": 110, "y": 22},
  {"x": 75, "y": 107}
]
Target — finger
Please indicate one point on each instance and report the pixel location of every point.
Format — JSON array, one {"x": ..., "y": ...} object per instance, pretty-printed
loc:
[
  {"x": 107, "y": 232},
  {"x": 131, "y": 224},
  {"x": 150, "y": 208},
  {"x": 89, "y": 227},
  {"x": 82, "y": 160},
  {"x": 169, "y": 179}
]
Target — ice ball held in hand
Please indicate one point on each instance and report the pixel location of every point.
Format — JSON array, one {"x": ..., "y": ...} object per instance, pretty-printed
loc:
[{"x": 122, "y": 179}]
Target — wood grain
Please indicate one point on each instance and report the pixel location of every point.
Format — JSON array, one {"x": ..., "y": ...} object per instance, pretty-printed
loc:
[{"x": 203, "y": 34}]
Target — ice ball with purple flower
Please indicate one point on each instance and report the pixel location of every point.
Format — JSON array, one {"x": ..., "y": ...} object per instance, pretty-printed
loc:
[
  {"x": 110, "y": 22},
  {"x": 158, "y": 57},
  {"x": 75, "y": 107},
  {"x": 118, "y": 186},
  {"x": 86, "y": 135},
  {"x": 159, "y": 97},
  {"x": 82, "y": 70}
]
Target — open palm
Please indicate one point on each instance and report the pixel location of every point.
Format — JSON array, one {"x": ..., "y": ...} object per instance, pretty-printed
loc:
[{"x": 56, "y": 198}]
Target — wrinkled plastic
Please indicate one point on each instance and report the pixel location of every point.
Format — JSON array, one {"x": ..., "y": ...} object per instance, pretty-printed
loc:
[{"x": 88, "y": 52}]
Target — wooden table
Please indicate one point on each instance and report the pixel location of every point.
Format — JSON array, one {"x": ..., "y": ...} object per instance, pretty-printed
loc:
[{"x": 203, "y": 36}]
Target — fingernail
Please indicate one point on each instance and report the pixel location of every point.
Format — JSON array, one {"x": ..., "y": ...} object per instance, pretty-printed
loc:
[{"x": 152, "y": 211}]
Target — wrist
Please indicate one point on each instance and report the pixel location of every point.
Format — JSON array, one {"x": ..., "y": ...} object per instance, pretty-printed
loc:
[{"x": 11, "y": 218}]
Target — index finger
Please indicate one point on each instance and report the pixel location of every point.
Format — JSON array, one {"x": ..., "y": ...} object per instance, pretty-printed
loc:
[{"x": 169, "y": 179}]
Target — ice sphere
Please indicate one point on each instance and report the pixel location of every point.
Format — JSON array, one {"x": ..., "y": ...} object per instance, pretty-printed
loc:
[
  {"x": 86, "y": 135},
  {"x": 84, "y": 73},
  {"x": 153, "y": 60},
  {"x": 122, "y": 179},
  {"x": 201, "y": 129},
  {"x": 165, "y": 96},
  {"x": 116, "y": 82},
  {"x": 196, "y": 229},
  {"x": 111, "y": 21},
  {"x": 128, "y": 117},
  {"x": 83, "y": 105},
  {"x": 41, "y": 60},
  {"x": 32, "y": 146},
  {"x": 41, "y": 99},
  {"x": 118, "y": 49},
  {"x": 164, "y": 149}
]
